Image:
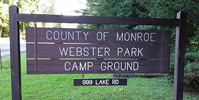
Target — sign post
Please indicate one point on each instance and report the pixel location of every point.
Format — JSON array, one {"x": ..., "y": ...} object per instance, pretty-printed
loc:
[
  {"x": 15, "y": 53},
  {"x": 102, "y": 49},
  {"x": 179, "y": 56}
]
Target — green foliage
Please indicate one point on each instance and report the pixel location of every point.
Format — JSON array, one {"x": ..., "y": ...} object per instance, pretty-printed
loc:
[
  {"x": 171, "y": 73},
  {"x": 25, "y": 6},
  {"x": 148, "y": 9},
  {"x": 191, "y": 75},
  {"x": 48, "y": 8},
  {"x": 122, "y": 8},
  {"x": 57, "y": 25},
  {"x": 154, "y": 9},
  {"x": 4, "y": 25},
  {"x": 168, "y": 9}
]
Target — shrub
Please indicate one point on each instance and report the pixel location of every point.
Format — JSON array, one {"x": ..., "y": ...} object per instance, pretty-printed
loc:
[{"x": 191, "y": 71}]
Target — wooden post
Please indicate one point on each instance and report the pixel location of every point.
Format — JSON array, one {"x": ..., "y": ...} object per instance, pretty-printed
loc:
[
  {"x": 179, "y": 56},
  {"x": 15, "y": 53}
]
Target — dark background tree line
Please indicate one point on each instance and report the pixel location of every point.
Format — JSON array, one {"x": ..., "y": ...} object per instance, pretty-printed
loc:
[{"x": 155, "y": 9}]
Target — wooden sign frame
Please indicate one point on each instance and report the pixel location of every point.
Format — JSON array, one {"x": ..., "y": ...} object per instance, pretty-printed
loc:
[
  {"x": 81, "y": 51},
  {"x": 15, "y": 18}
]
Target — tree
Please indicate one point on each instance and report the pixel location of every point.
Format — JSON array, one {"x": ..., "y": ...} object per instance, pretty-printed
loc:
[
  {"x": 47, "y": 8},
  {"x": 168, "y": 9},
  {"x": 4, "y": 25},
  {"x": 155, "y": 9},
  {"x": 25, "y": 6},
  {"x": 122, "y": 8}
]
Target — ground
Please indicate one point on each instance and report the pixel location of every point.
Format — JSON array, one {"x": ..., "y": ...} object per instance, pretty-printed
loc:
[{"x": 60, "y": 87}]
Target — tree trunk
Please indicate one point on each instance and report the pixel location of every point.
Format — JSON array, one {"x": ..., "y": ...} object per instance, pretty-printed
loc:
[{"x": 1, "y": 28}]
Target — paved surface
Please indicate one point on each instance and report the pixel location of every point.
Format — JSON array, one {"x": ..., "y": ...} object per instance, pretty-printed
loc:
[
  {"x": 5, "y": 46},
  {"x": 5, "y": 49}
]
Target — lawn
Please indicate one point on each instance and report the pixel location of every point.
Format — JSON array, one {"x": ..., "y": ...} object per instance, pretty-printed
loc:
[{"x": 60, "y": 87}]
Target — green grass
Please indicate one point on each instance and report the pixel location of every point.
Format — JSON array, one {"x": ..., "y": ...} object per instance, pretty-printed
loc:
[{"x": 60, "y": 87}]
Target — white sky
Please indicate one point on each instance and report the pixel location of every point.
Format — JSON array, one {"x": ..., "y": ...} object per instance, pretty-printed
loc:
[{"x": 67, "y": 7}]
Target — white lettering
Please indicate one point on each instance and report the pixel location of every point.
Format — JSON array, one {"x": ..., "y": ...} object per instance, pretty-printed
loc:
[
  {"x": 104, "y": 34},
  {"x": 102, "y": 82},
  {"x": 65, "y": 35},
  {"x": 119, "y": 66},
  {"x": 119, "y": 50},
  {"x": 119, "y": 38},
  {"x": 65, "y": 66},
  {"x": 54, "y": 35},
  {"x": 63, "y": 51},
  {"x": 78, "y": 66},
  {"x": 140, "y": 51},
  {"x": 127, "y": 36},
  {"x": 99, "y": 36},
  {"x": 85, "y": 34},
  {"x": 137, "y": 36},
  {"x": 107, "y": 51},
  {"x": 146, "y": 37},
  {"x": 78, "y": 34},
  {"x": 99, "y": 51},
  {"x": 78, "y": 51},
  {"x": 103, "y": 66},
  {"x": 151, "y": 37},
  {"x": 71, "y": 49},
  {"x": 71, "y": 35},
  {"x": 129, "y": 51},
  {"x": 47, "y": 36}
]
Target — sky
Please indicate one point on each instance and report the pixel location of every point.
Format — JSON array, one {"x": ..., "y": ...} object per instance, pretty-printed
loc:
[{"x": 67, "y": 7}]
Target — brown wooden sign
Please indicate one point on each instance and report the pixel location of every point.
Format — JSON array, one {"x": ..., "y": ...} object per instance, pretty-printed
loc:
[
  {"x": 64, "y": 51},
  {"x": 180, "y": 22},
  {"x": 98, "y": 51},
  {"x": 56, "y": 66},
  {"x": 63, "y": 35},
  {"x": 100, "y": 82}
]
